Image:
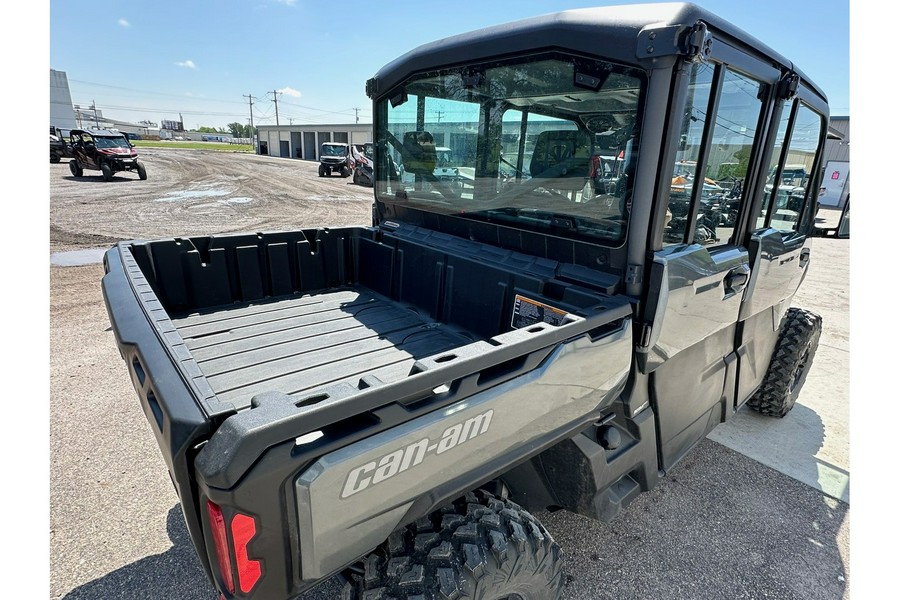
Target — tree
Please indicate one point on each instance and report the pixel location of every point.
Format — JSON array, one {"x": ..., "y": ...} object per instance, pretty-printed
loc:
[{"x": 236, "y": 129}]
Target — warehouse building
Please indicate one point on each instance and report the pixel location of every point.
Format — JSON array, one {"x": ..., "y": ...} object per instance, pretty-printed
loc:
[
  {"x": 304, "y": 141},
  {"x": 61, "y": 113}
]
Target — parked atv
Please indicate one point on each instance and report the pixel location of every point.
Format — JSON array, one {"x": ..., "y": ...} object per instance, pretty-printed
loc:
[
  {"x": 103, "y": 150},
  {"x": 334, "y": 156}
]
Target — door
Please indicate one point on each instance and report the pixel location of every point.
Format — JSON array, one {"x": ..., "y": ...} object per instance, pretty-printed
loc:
[
  {"x": 701, "y": 264},
  {"x": 284, "y": 148},
  {"x": 778, "y": 240},
  {"x": 309, "y": 145}
]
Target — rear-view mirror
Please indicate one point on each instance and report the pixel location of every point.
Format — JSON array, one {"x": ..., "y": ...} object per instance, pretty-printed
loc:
[{"x": 833, "y": 222}]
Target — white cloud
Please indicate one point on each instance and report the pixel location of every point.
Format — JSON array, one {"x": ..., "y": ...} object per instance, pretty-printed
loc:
[
  {"x": 124, "y": 23},
  {"x": 188, "y": 64},
  {"x": 287, "y": 91}
]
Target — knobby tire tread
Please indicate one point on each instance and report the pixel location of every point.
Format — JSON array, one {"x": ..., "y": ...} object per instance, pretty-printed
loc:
[{"x": 480, "y": 547}]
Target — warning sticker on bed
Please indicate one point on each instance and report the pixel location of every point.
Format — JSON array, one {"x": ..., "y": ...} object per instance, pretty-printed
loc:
[{"x": 527, "y": 312}]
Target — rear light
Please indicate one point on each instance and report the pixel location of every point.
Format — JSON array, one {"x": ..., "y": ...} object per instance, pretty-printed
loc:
[
  {"x": 243, "y": 528},
  {"x": 217, "y": 524}
]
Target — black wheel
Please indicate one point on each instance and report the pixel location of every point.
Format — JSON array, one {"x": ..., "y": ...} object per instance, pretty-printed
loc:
[
  {"x": 142, "y": 171},
  {"x": 479, "y": 548},
  {"x": 76, "y": 170},
  {"x": 790, "y": 364},
  {"x": 54, "y": 157},
  {"x": 321, "y": 171},
  {"x": 345, "y": 171},
  {"x": 107, "y": 171},
  {"x": 355, "y": 176}
]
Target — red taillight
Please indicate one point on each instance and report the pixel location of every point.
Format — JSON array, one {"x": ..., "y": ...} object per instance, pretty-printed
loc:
[
  {"x": 243, "y": 528},
  {"x": 217, "y": 524}
]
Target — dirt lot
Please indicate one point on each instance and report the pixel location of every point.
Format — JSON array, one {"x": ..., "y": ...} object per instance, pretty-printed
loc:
[
  {"x": 727, "y": 522},
  {"x": 192, "y": 192}
]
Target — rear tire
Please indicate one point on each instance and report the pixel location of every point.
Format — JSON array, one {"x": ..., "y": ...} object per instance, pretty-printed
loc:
[
  {"x": 479, "y": 548},
  {"x": 107, "y": 171},
  {"x": 75, "y": 169},
  {"x": 790, "y": 364},
  {"x": 54, "y": 157}
]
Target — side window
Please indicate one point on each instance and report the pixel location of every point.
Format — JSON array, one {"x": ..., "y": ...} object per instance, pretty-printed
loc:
[
  {"x": 692, "y": 124},
  {"x": 788, "y": 187},
  {"x": 737, "y": 120},
  {"x": 777, "y": 153},
  {"x": 727, "y": 154}
]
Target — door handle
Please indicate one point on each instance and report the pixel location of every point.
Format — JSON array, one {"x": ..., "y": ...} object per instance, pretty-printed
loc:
[
  {"x": 804, "y": 257},
  {"x": 736, "y": 279}
]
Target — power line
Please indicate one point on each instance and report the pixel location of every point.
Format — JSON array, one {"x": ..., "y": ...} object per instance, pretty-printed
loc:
[
  {"x": 182, "y": 97},
  {"x": 168, "y": 110}
]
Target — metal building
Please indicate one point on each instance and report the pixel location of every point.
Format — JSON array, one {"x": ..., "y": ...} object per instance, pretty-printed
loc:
[
  {"x": 62, "y": 115},
  {"x": 304, "y": 141}
]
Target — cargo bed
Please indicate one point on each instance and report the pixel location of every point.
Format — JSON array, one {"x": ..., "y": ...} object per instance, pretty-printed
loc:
[
  {"x": 315, "y": 340},
  {"x": 261, "y": 338},
  {"x": 255, "y": 354}
]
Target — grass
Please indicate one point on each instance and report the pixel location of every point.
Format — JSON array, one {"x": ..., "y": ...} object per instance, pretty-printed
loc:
[{"x": 214, "y": 146}]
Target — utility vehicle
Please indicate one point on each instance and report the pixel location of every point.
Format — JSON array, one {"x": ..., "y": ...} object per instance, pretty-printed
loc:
[
  {"x": 334, "y": 157},
  {"x": 59, "y": 147},
  {"x": 394, "y": 403},
  {"x": 103, "y": 150}
]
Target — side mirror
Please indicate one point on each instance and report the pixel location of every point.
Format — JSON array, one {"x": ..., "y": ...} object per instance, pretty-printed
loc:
[{"x": 836, "y": 225}]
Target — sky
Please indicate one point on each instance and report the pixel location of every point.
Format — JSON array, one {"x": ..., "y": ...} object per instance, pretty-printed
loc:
[{"x": 203, "y": 59}]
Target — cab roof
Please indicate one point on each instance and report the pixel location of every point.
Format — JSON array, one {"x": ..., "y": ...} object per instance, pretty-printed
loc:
[{"x": 579, "y": 30}]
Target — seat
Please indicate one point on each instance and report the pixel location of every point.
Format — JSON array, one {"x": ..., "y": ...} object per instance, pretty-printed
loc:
[
  {"x": 418, "y": 152},
  {"x": 563, "y": 158}
]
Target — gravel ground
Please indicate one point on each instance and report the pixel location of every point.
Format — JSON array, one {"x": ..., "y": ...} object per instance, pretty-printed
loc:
[
  {"x": 195, "y": 192},
  {"x": 720, "y": 525}
]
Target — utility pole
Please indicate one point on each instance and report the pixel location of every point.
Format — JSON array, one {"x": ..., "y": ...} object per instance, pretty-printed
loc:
[
  {"x": 250, "y": 97},
  {"x": 440, "y": 114},
  {"x": 275, "y": 95},
  {"x": 94, "y": 107},
  {"x": 357, "y": 114}
]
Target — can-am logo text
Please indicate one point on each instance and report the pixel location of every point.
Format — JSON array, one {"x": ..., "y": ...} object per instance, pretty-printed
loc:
[{"x": 398, "y": 461}]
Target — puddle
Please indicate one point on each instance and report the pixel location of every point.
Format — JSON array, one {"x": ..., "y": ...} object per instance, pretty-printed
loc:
[
  {"x": 238, "y": 200},
  {"x": 191, "y": 195},
  {"x": 78, "y": 258}
]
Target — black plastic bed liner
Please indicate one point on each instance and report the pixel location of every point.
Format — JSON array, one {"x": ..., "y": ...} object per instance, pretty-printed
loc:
[{"x": 311, "y": 341}]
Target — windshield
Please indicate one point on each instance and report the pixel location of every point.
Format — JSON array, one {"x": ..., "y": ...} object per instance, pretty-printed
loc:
[
  {"x": 330, "y": 150},
  {"x": 111, "y": 142},
  {"x": 544, "y": 143}
]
